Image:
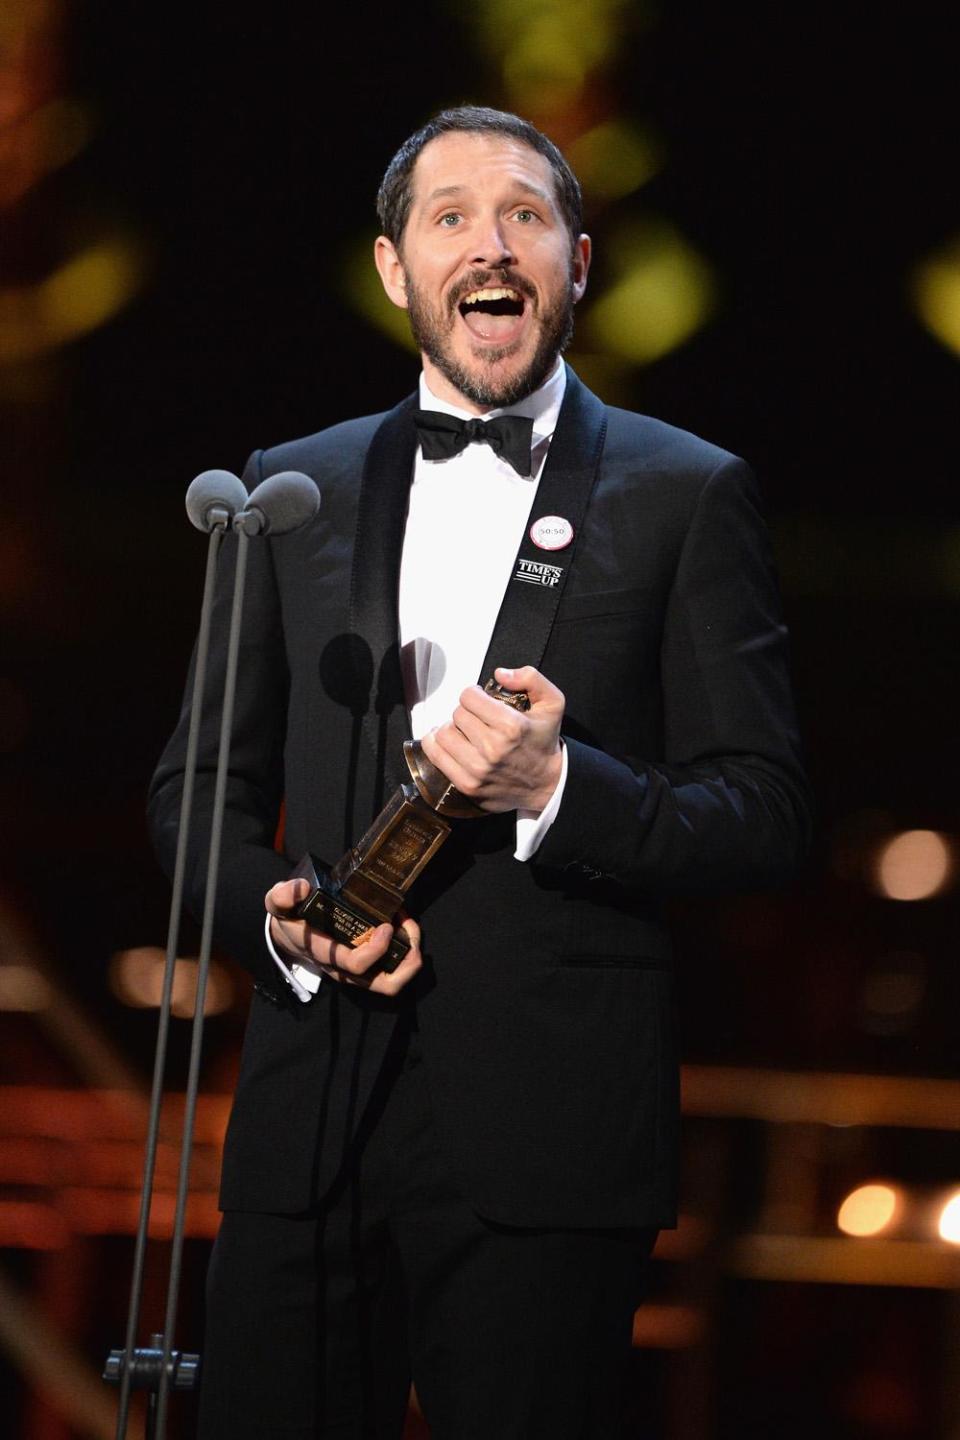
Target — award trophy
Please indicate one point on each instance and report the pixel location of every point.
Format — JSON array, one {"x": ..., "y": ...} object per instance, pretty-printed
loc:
[{"x": 367, "y": 885}]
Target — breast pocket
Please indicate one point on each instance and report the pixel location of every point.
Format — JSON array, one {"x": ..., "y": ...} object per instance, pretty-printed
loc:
[{"x": 599, "y": 603}]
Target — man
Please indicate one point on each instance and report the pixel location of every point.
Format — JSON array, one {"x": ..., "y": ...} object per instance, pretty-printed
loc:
[{"x": 457, "y": 1170}]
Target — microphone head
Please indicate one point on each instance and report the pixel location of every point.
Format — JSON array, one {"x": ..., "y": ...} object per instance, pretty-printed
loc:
[
  {"x": 280, "y": 503},
  {"x": 214, "y": 498}
]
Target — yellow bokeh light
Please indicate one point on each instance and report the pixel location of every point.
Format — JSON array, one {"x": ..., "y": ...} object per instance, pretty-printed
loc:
[
  {"x": 562, "y": 27},
  {"x": 83, "y": 293},
  {"x": 663, "y": 295},
  {"x": 936, "y": 295},
  {"x": 363, "y": 291},
  {"x": 949, "y": 1223},
  {"x": 913, "y": 865},
  {"x": 546, "y": 67},
  {"x": 868, "y": 1210},
  {"x": 614, "y": 159},
  {"x": 547, "y": 48},
  {"x": 88, "y": 289}
]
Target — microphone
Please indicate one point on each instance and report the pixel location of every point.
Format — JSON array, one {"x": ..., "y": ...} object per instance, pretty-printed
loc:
[
  {"x": 280, "y": 503},
  {"x": 213, "y": 499}
]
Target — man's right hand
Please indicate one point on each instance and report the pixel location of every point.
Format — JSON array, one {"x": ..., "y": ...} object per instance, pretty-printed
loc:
[{"x": 349, "y": 965}]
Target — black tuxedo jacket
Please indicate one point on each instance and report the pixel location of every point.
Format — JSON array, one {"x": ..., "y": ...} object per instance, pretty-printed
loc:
[{"x": 545, "y": 1005}]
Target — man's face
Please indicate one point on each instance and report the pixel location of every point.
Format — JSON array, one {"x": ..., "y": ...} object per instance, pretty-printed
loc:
[{"x": 486, "y": 268}]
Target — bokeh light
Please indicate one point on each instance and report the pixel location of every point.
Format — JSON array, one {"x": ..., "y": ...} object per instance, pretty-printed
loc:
[
  {"x": 936, "y": 294},
  {"x": 913, "y": 865},
  {"x": 22, "y": 988},
  {"x": 949, "y": 1222},
  {"x": 360, "y": 288},
  {"x": 614, "y": 159},
  {"x": 868, "y": 1210},
  {"x": 83, "y": 293},
  {"x": 546, "y": 48},
  {"x": 136, "y": 978},
  {"x": 661, "y": 296}
]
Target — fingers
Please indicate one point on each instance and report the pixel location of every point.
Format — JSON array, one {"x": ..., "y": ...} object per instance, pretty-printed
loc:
[
  {"x": 353, "y": 966},
  {"x": 350, "y": 963},
  {"x": 346, "y": 964},
  {"x": 502, "y": 758},
  {"x": 483, "y": 713},
  {"x": 547, "y": 703},
  {"x": 283, "y": 899},
  {"x": 384, "y": 984},
  {"x": 540, "y": 690},
  {"x": 357, "y": 965},
  {"x": 287, "y": 933},
  {"x": 439, "y": 747},
  {"x": 410, "y": 928}
]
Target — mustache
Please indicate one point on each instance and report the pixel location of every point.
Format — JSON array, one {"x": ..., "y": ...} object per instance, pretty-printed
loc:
[{"x": 481, "y": 279}]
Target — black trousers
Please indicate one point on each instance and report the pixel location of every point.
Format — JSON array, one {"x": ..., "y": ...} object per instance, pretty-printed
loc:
[{"x": 316, "y": 1323}]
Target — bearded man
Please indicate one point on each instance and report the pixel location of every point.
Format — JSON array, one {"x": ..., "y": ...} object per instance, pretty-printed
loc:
[{"x": 455, "y": 1170}]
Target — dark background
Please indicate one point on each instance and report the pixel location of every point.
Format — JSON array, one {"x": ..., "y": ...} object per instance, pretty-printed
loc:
[{"x": 809, "y": 156}]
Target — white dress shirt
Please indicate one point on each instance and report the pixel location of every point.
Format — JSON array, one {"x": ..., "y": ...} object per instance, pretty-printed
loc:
[{"x": 466, "y": 520}]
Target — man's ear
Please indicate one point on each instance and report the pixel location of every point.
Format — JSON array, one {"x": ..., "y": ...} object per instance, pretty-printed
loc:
[
  {"x": 581, "y": 265},
  {"x": 390, "y": 268}
]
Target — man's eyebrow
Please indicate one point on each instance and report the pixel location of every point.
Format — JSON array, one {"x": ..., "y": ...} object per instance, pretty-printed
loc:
[
  {"x": 529, "y": 189},
  {"x": 442, "y": 192}
]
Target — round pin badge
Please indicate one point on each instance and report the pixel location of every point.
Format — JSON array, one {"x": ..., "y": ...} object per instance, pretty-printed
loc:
[{"x": 551, "y": 532}]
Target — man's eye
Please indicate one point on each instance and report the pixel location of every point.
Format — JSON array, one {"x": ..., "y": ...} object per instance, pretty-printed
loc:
[
  {"x": 450, "y": 220},
  {"x": 524, "y": 216}
]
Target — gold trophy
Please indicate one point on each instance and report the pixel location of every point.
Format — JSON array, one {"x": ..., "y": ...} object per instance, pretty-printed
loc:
[{"x": 367, "y": 886}]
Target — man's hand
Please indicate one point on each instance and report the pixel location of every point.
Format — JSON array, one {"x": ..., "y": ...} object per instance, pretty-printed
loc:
[
  {"x": 346, "y": 964},
  {"x": 504, "y": 759}
]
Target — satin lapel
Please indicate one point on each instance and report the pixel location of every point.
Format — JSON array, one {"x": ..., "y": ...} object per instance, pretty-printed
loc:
[
  {"x": 533, "y": 592},
  {"x": 374, "y": 587}
]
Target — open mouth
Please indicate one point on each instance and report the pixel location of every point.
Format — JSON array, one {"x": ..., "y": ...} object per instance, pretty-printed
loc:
[{"x": 493, "y": 313}]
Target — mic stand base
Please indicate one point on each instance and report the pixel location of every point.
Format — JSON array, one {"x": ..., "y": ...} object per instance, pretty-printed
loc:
[{"x": 146, "y": 1368}]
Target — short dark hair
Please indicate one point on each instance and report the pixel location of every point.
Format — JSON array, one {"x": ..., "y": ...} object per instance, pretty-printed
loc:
[{"x": 396, "y": 192}]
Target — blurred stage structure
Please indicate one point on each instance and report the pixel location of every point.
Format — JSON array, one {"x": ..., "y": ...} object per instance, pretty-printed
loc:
[{"x": 70, "y": 1165}]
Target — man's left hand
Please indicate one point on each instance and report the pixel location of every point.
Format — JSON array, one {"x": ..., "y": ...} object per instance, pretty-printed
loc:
[{"x": 503, "y": 759}]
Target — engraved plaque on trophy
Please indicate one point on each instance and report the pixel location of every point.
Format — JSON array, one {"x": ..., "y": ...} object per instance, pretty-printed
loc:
[{"x": 367, "y": 885}]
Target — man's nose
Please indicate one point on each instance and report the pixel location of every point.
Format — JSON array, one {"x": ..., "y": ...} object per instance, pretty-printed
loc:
[{"x": 492, "y": 248}]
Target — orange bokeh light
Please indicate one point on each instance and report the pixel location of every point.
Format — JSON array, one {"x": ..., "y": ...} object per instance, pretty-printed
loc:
[
  {"x": 868, "y": 1210},
  {"x": 913, "y": 865},
  {"x": 949, "y": 1222},
  {"x": 136, "y": 978}
]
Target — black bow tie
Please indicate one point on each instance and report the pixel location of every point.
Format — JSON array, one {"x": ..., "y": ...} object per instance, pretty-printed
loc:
[{"x": 509, "y": 436}]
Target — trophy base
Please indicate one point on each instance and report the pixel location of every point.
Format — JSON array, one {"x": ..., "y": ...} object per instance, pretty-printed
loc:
[{"x": 328, "y": 910}]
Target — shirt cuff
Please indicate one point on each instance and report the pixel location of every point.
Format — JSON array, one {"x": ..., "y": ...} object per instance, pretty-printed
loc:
[
  {"x": 532, "y": 825},
  {"x": 303, "y": 981}
]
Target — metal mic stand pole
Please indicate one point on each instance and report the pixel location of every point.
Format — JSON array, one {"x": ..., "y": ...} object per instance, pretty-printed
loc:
[
  {"x": 203, "y": 965},
  {"x": 122, "y": 1368},
  {"x": 281, "y": 502}
]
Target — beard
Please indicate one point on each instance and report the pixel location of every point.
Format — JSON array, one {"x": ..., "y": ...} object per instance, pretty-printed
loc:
[{"x": 432, "y": 328}]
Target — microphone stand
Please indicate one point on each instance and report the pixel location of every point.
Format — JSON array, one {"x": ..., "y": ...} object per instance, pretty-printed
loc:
[
  {"x": 281, "y": 502},
  {"x": 203, "y": 968},
  {"x": 132, "y": 1368}
]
